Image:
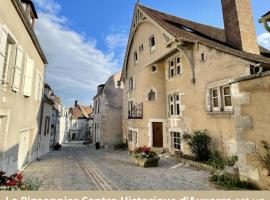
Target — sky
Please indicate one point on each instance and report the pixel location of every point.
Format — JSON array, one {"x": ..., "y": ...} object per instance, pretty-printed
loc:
[{"x": 85, "y": 40}]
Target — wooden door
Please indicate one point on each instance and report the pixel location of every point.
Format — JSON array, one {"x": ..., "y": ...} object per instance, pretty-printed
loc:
[{"x": 157, "y": 134}]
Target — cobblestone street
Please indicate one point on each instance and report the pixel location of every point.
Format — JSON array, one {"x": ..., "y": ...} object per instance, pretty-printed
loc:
[{"x": 77, "y": 167}]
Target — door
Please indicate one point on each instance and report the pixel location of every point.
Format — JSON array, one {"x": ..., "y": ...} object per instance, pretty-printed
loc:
[
  {"x": 23, "y": 148},
  {"x": 157, "y": 134}
]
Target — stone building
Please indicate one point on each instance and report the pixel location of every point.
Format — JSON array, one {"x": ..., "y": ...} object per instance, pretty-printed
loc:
[
  {"x": 45, "y": 125},
  {"x": 108, "y": 112},
  {"x": 181, "y": 76},
  {"x": 22, "y": 69},
  {"x": 78, "y": 121}
]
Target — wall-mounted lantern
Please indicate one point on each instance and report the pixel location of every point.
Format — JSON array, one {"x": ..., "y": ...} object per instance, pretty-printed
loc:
[{"x": 265, "y": 20}]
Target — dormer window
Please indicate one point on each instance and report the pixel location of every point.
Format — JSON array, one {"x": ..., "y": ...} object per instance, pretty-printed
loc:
[{"x": 152, "y": 43}]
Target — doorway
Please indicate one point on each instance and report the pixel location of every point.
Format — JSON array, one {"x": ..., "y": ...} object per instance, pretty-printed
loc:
[{"x": 157, "y": 134}]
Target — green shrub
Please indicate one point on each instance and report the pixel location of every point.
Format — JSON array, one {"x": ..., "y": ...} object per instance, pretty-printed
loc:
[
  {"x": 121, "y": 145},
  {"x": 216, "y": 160},
  {"x": 232, "y": 183},
  {"x": 264, "y": 158},
  {"x": 198, "y": 143},
  {"x": 230, "y": 160}
]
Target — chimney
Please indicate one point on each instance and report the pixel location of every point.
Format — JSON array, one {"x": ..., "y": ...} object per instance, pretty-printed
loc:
[
  {"x": 76, "y": 103},
  {"x": 239, "y": 25}
]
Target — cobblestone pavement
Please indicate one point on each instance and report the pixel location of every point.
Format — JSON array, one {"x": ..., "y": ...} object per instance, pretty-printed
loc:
[{"x": 77, "y": 167}]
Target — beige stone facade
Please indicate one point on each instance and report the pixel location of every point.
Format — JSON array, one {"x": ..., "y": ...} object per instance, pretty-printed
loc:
[
  {"x": 107, "y": 124},
  {"x": 22, "y": 68},
  {"x": 182, "y": 81}
]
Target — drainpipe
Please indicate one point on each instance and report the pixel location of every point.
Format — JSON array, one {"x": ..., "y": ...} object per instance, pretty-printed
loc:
[{"x": 40, "y": 123}]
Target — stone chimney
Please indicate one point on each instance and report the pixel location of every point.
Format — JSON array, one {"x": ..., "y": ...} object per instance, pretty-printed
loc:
[{"x": 239, "y": 25}]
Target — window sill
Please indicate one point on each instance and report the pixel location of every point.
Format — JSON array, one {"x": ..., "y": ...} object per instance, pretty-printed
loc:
[{"x": 217, "y": 113}]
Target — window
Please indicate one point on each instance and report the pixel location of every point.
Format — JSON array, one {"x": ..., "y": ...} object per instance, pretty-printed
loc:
[
  {"x": 118, "y": 83},
  {"x": 254, "y": 70},
  {"x": 221, "y": 98},
  {"x": 18, "y": 69},
  {"x": 215, "y": 99},
  {"x": 130, "y": 136},
  {"x": 130, "y": 107},
  {"x": 171, "y": 104},
  {"x": 47, "y": 125},
  {"x": 135, "y": 57},
  {"x": 177, "y": 103},
  {"x": 154, "y": 68},
  {"x": 178, "y": 66},
  {"x": 151, "y": 95},
  {"x": 141, "y": 48},
  {"x": 176, "y": 140},
  {"x": 174, "y": 105},
  {"x": 152, "y": 43},
  {"x": 203, "y": 57},
  {"x": 131, "y": 84},
  {"x": 226, "y": 98},
  {"x": 172, "y": 68},
  {"x": 6, "y": 43}
]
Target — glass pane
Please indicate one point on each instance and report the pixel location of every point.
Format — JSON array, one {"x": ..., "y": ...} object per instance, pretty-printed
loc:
[
  {"x": 178, "y": 109},
  {"x": 178, "y": 70},
  {"x": 215, "y": 102},
  {"x": 214, "y": 93},
  {"x": 228, "y": 101},
  {"x": 178, "y": 60},
  {"x": 227, "y": 91}
]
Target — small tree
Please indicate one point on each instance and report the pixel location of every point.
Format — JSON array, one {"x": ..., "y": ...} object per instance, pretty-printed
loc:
[
  {"x": 265, "y": 157},
  {"x": 198, "y": 143}
]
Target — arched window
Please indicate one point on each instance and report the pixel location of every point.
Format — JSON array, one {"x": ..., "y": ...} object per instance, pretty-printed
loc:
[{"x": 151, "y": 95}]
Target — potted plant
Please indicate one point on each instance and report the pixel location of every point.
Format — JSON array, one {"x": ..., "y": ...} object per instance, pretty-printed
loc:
[{"x": 144, "y": 157}]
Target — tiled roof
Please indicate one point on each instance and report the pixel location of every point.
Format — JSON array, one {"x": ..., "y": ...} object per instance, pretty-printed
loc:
[
  {"x": 80, "y": 111},
  {"x": 192, "y": 31}
]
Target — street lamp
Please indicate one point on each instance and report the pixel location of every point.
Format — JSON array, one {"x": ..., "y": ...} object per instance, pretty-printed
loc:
[{"x": 265, "y": 20}]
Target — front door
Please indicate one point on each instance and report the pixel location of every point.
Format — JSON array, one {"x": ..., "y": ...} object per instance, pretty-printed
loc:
[{"x": 157, "y": 134}]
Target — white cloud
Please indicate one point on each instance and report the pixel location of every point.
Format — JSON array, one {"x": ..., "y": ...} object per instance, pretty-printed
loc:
[
  {"x": 264, "y": 40},
  {"x": 76, "y": 66}
]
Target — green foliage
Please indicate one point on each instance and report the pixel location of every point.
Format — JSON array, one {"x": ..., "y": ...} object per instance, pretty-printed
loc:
[
  {"x": 216, "y": 160},
  {"x": 232, "y": 183},
  {"x": 198, "y": 143},
  {"x": 230, "y": 160},
  {"x": 264, "y": 158},
  {"x": 121, "y": 145}
]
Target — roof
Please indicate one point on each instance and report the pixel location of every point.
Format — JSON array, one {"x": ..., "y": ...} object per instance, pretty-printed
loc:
[
  {"x": 268, "y": 13},
  {"x": 80, "y": 111},
  {"x": 32, "y": 7},
  {"x": 195, "y": 32}
]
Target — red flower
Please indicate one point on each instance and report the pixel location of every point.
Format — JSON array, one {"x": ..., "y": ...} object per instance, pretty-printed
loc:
[
  {"x": 12, "y": 183},
  {"x": 19, "y": 177}
]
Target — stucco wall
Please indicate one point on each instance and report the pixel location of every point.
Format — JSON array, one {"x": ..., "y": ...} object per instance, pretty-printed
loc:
[{"x": 14, "y": 105}]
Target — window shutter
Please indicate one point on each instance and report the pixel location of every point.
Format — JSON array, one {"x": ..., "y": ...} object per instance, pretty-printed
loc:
[
  {"x": 41, "y": 86},
  {"x": 208, "y": 101},
  {"x": 3, "y": 43},
  {"x": 37, "y": 87},
  {"x": 134, "y": 83},
  {"x": 28, "y": 77},
  {"x": 18, "y": 69}
]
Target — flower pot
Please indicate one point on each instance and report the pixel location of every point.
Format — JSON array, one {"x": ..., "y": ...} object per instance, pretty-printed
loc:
[{"x": 146, "y": 162}]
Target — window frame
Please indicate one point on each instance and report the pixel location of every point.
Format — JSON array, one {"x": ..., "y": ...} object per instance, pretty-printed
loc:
[
  {"x": 152, "y": 45},
  {"x": 176, "y": 136},
  {"x": 223, "y": 96},
  {"x": 215, "y": 109},
  {"x": 131, "y": 84}
]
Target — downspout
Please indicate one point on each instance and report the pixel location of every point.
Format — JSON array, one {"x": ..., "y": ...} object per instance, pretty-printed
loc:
[{"x": 40, "y": 123}]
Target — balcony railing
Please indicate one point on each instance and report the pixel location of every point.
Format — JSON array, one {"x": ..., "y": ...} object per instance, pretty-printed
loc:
[{"x": 136, "y": 111}]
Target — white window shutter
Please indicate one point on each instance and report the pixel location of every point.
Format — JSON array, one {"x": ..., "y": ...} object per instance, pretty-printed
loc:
[
  {"x": 27, "y": 89},
  {"x": 208, "y": 101},
  {"x": 41, "y": 87},
  {"x": 17, "y": 69},
  {"x": 3, "y": 43},
  {"x": 37, "y": 82}
]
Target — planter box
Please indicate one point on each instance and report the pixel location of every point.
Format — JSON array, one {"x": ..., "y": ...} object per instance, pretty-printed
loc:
[{"x": 146, "y": 162}]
